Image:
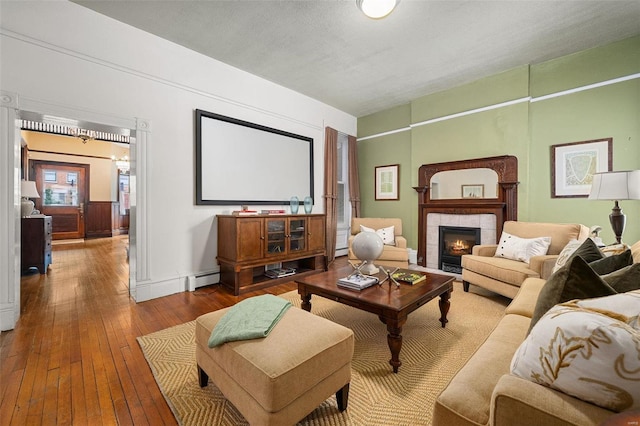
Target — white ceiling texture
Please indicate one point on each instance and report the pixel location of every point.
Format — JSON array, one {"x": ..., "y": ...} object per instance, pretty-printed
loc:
[{"x": 328, "y": 50}]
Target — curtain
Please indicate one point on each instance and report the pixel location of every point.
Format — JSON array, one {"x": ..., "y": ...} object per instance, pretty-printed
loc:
[
  {"x": 354, "y": 180},
  {"x": 331, "y": 190}
]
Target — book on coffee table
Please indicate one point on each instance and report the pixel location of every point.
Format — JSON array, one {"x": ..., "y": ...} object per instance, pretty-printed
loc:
[
  {"x": 357, "y": 282},
  {"x": 408, "y": 277}
]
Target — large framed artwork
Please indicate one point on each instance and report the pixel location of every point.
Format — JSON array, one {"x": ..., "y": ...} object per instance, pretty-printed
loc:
[
  {"x": 387, "y": 182},
  {"x": 574, "y": 164}
]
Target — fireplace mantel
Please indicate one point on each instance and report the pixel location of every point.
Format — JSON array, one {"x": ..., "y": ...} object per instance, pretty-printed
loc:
[{"x": 504, "y": 207}]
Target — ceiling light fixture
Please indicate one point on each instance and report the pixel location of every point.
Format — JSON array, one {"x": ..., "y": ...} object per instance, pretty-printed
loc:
[
  {"x": 377, "y": 9},
  {"x": 84, "y": 134}
]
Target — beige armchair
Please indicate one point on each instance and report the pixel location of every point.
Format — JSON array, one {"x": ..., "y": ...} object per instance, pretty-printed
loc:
[
  {"x": 393, "y": 256},
  {"x": 504, "y": 276}
]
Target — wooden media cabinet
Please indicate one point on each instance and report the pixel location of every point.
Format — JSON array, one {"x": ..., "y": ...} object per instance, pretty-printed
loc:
[{"x": 247, "y": 245}]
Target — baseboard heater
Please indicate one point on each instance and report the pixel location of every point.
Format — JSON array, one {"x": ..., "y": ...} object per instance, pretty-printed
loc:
[{"x": 202, "y": 279}]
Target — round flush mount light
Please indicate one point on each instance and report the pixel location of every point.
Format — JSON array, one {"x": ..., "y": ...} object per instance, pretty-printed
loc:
[{"x": 377, "y": 9}]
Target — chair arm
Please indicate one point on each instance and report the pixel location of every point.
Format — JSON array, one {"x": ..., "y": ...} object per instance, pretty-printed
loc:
[
  {"x": 543, "y": 265},
  {"x": 401, "y": 241},
  {"x": 516, "y": 401},
  {"x": 486, "y": 250}
]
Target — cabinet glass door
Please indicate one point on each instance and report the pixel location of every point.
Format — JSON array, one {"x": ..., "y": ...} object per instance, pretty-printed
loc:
[
  {"x": 275, "y": 236},
  {"x": 297, "y": 234}
]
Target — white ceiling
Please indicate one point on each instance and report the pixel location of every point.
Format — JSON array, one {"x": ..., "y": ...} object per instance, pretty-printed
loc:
[{"x": 329, "y": 51}]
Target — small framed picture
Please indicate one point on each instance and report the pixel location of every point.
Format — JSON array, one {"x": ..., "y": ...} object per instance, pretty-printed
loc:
[
  {"x": 574, "y": 164},
  {"x": 473, "y": 191},
  {"x": 386, "y": 181}
]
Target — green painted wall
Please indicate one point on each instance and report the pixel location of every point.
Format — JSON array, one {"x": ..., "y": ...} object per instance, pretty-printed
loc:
[{"x": 526, "y": 130}]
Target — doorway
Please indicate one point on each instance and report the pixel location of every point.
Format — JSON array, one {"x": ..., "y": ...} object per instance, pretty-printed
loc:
[{"x": 64, "y": 190}]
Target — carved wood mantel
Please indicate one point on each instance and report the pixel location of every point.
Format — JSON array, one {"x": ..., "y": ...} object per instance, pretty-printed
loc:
[{"x": 505, "y": 206}]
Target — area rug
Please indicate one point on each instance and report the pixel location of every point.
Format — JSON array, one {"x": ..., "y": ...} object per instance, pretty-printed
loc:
[{"x": 430, "y": 356}]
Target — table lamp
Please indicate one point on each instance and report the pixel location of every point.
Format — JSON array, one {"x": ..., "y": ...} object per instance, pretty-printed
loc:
[
  {"x": 28, "y": 190},
  {"x": 616, "y": 186}
]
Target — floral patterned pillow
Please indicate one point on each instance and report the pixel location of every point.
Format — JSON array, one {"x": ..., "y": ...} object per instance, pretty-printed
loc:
[{"x": 590, "y": 350}]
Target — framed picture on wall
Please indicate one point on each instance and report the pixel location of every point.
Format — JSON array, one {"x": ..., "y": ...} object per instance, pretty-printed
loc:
[
  {"x": 574, "y": 164},
  {"x": 473, "y": 191},
  {"x": 386, "y": 181}
]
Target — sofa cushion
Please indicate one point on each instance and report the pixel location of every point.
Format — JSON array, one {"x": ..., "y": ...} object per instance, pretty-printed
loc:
[
  {"x": 504, "y": 270},
  {"x": 575, "y": 280},
  {"x": 467, "y": 397},
  {"x": 589, "y": 354},
  {"x": 522, "y": 249},
  {"x": 525, "y": 301}
]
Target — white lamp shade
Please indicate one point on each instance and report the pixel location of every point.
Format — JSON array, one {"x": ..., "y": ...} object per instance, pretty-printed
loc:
[
  {"x": 28, "y": 189},
  {"x": 623, "y": 185},
  {"x": 377, "y": 9}
]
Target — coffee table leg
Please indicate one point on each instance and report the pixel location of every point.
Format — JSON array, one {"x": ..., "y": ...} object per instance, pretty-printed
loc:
[
  {"x": 394, "y": 339},
  {"x": 306, "y": 302},
  {"x": 444, "y": 306}
]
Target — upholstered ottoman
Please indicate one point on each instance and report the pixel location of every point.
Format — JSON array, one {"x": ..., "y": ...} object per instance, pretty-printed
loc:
[{"x": 280, "y": 379}]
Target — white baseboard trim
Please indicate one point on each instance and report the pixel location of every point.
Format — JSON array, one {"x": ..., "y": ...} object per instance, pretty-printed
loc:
[
  {"x": 149, "y": 289},
  {"x": 7, "y": 319}
]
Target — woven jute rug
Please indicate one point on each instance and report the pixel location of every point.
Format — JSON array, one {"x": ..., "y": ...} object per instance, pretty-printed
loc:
[{"x": 430, "y": 356}]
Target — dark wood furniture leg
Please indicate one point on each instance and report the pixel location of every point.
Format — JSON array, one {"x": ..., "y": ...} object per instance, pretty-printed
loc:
[
  {"x": 342, "y": 396},
  {"x": 465, "y": 286},
  {"x": 394, "y": 339},
  {"x": 203, "y": 378},
  {"x": 444, "y": 306},
  {"x": 306, "y": 302}
]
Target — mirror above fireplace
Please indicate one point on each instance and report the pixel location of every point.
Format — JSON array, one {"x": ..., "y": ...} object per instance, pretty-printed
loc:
[{"x": 465, "y": 183}]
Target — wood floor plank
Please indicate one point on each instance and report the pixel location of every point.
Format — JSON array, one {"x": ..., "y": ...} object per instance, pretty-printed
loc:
[{"x": 73, "y": 358}]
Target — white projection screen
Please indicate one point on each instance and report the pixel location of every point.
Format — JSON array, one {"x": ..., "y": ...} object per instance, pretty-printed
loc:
[{"x": 238, "y": 162}]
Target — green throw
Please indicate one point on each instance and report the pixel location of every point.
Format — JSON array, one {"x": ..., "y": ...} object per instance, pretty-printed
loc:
[{"x": 251, "y": 318}]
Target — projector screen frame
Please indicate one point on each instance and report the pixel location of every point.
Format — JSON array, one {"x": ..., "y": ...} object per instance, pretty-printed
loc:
[{"x": 247, "y": 197}]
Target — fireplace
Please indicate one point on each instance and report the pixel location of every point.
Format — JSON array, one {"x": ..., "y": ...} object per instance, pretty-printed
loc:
[{"x": 454, "y": 242}]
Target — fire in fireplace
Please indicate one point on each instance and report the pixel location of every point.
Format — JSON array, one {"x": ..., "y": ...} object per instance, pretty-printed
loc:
[{"x": 455, "y": 241}]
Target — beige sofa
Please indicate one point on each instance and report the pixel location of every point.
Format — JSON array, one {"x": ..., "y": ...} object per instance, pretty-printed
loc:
[
  {"x": 505, "y": 276},
  {"x": 483, "y": 392},
  {"x": 393, "y": 256}
]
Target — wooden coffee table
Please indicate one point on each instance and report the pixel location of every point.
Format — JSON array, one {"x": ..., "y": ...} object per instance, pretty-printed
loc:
[{"x": 392, "y": 304}]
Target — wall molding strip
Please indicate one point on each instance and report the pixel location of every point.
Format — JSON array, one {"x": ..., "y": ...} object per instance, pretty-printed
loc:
[
  {"x": 587, "y": 87},
  {"x": 390, "y": 132},
  {"x": 507, "y": 103}
]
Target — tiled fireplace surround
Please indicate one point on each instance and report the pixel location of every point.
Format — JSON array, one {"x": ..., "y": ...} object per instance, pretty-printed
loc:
[{"x": 486, "y": 223}]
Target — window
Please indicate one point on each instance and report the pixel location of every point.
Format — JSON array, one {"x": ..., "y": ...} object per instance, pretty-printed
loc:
[{"x": 343, "y": 203}]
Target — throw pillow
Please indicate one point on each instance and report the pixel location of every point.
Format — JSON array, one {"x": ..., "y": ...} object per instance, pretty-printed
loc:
[
  {"x": 608, "y": 264},
  {"x": 625, "y": 304},
  {"x": 625, "y": 279},
  {"x": 387, "y": 234},
  {"x": 522, "y": 249},
  {"x": 584, "y": 353},
  {"x": 575, "y": 280},
  {"x": 588, "y": 250},
  {"x": 566, "y": 252}
]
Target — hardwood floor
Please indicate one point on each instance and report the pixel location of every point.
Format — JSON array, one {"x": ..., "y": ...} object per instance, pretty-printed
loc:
[{"x": 73, "y": 357}]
